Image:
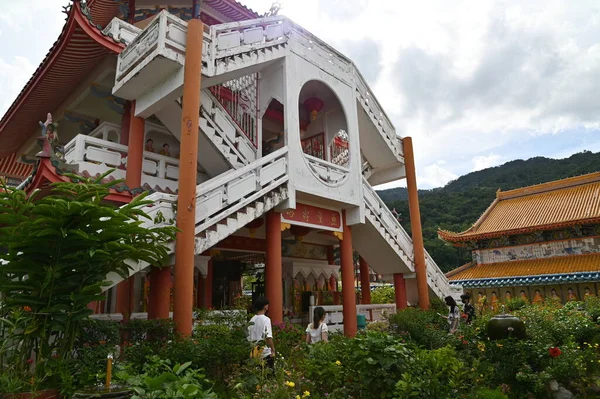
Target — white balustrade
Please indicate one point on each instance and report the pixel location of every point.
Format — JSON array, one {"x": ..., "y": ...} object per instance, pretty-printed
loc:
[
  {"x": 334, "y": 314},
  {"x": 96, "y": 156},
  {"x": 223, "y": 195},
  {"x": 164, "y": 38},
  {"x": 436, "y": 279},
  {"x": 121, "y": 30},
  {"x": 327, "y": 172},
  {"x": 377, "y": 114},
  {"x": 250, "y": 35},
  {"x": 385, "y": 217}
]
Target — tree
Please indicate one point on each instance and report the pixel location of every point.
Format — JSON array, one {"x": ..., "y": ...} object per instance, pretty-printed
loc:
[{"x": 59, "y": 250}]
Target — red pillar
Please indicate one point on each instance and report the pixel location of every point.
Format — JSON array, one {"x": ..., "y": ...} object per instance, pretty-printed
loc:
[
  {"x": 400, "y": 291},
  {"x": 125, "y": 121},
  {"x": 347, "y": 268},
  {"x": 365, "y": 281},
  {"x": 199, "y": 290},
  {"x": 133, "y": 179},
  {"x": 208, "y": 288},
  {"x": 415, "y": 223},
  {"x": 186, "y": 198},
  {"x": 273, "y": 268},
  {"x": 159, "y": 302}
]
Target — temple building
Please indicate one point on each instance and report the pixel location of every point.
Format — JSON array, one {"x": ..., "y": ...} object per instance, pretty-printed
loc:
[
  {"x": 258, "y": 140},
  {"x": 536, "y": 242}
]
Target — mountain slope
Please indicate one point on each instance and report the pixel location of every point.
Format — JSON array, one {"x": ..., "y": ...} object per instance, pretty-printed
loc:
[{"x": 459, "y": 204}]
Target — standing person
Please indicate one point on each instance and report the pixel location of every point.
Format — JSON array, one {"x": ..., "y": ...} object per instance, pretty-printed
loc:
[
  {"x": 260, "y": 330},
  {"x": 469, "y": 309},
  {"x": 317, "y": 330},
  {"x": 453, "y": 314}
]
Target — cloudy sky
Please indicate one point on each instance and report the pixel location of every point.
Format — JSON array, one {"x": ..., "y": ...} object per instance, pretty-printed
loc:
[{"x": 475, "y": 83}]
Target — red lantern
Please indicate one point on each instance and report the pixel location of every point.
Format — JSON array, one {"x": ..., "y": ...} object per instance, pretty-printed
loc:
[
  {"x": 313, "y": 105},
  {"x": 253, "y": 225},
  {"x": 299, "y": 231}
]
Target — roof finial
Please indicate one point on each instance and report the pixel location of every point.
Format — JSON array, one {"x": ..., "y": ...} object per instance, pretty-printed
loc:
[{"x": 274, "y": 10}]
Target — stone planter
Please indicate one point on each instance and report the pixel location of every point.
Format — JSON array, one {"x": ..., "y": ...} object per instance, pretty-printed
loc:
[
  {"x": 45, "y": 394},
  {"x": 101, "y": 393}
]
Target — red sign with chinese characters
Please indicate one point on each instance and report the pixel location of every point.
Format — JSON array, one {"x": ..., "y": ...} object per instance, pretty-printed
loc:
[{"x": 312, "y": 216}]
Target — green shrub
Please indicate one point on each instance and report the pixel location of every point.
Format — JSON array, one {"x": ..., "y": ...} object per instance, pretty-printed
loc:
[
  {"x": 383, "y": 295},
  {"x": 433, "y": 374},
  {"x": 515, "y": 304},
  {"x": 425, "y": 328},
  {"x": 371, "y": 362},
  {"x": 140, "y": 331},
  {"x": 486, "y": 393}
]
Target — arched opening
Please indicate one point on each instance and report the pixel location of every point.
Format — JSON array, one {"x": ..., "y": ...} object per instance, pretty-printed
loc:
[{"x": 323, "y": 126}]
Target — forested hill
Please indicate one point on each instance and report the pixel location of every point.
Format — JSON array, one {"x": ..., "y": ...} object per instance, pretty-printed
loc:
[{"x": 459, "y": 204}]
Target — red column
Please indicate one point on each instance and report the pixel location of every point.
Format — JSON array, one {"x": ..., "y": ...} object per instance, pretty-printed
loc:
[
  {"x": 125, "y": 121},
  {"x": 123, "y": 304},
  {"x": 199, "y": 290},
  {"x": 208, "y": 288},
  {"x": 415, "y": 223},
  {"x": 273, "y": 268},
  {"x": 347, "y": 269},
  {"x": 159, "y": 302},
  {"x": 400, "y": 291},
  {"x": 186, "y": 198},
  {"x": 135, "y": 150},
  {"x": 365, "y": 281},
  {"x": 133, "y": 179}
]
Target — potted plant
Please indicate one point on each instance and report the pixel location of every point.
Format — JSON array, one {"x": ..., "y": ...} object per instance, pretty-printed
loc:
[{"x": 59, "y": 250}]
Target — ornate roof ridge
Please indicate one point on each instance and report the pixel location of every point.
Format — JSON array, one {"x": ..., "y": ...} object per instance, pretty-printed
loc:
[
  {"x": 462, "y": 273},
  {"x": 549, "y": 186}
]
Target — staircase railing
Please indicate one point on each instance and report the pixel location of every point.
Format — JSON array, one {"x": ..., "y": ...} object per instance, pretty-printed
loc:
[
  {"x": 378, "y": 208},
  {"x": 222, "y": 196},
  {"x": 436, "y": 279}
]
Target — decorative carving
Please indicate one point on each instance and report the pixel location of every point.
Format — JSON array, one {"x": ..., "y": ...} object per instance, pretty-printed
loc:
[
  {"x": 113, "y": 102},
  {"x": 51, "y": 148}
]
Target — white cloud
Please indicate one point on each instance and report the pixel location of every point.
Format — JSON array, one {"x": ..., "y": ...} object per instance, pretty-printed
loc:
[
  {"x": 28, "y": 28},
  {"x": 470, "y": 78},
  {"x": 13, "y": 76},
  {"x": 485, "y": 161},
  {"x": 465, "y": 78}
]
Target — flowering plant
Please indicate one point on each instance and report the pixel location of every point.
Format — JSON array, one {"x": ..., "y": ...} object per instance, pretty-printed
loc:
[{"x": 554, "y": 352}]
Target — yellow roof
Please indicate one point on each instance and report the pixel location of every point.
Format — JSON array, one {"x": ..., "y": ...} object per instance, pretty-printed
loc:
[
  {"x": 541, "y": 207},
  {"x": 534, "y": 267}
]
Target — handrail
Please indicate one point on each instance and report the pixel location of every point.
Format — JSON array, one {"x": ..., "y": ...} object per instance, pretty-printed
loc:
[
  {"x": 235, "y": 124},
  {"x": 231, "y": 174},
  {"x": 399, "y": 234}
]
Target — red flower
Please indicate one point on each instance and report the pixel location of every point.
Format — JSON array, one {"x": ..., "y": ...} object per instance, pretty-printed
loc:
[
  {"x": 554, "y": 352},
  {"x": 26, "y": 308},
  {"x": 29, "y": 361}
]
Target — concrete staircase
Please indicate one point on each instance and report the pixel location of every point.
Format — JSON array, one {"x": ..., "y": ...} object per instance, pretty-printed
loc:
[{"x": 224, "y": 204}]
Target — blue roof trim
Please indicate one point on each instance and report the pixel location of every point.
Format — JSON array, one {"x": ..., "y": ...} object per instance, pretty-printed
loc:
[{"x": 530, "y": 280}]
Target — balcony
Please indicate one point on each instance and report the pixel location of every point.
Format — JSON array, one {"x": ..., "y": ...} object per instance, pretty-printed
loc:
[{"x": 96, "y": 155}]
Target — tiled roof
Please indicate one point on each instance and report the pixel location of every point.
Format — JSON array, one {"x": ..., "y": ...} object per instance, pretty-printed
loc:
[
  {"x": 526, "y": 272},
  {"x": 77, "y": 51},
  {"x": 545, "y": 206}
]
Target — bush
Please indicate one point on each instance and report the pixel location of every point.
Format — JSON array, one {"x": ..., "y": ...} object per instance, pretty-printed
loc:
[
  {"x": 287, "y": 338},
  {"x": 433, "y": 374},
  {"x": 141, "y": 331},
  {"x": 383, "y": 295},
  {"x": 425, "y": 328},
  {"x": 371, "y": 362}
]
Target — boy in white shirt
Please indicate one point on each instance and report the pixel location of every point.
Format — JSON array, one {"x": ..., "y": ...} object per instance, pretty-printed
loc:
[{"x": 260, "y": 330}]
